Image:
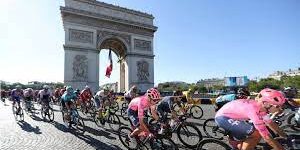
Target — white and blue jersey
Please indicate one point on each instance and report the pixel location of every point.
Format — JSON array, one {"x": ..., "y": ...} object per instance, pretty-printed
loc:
[{"x": 226, "y": 98}]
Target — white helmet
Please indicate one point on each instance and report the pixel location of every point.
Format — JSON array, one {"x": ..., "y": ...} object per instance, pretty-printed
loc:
[{"x": 46, "y": 87}]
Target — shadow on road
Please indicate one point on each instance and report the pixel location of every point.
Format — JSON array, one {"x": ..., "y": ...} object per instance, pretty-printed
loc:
[
  {"x": 27, "y": 127},
  {"x": 88, "y": 139},
  {"x": 96, "y": 143}
]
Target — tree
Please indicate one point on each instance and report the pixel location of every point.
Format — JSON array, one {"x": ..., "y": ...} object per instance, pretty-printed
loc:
[
  {"x": 269, "y": 83},
  {"x": 202, "y": 89},
  {"x": 253, "y": 86}
]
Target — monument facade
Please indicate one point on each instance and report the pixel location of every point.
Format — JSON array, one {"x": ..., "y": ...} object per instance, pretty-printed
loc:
[{"x": 91, "y": 26}]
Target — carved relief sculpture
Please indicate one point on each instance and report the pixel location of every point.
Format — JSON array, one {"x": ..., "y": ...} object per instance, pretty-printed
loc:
[
  {"x": 143, "y": 71},
  {"x": 80, "y": 36},
  {"x": 80, "y": 67},
  {"x": 142, "y": 45}
]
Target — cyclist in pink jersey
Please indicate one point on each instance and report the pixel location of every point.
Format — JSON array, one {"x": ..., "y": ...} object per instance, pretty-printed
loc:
[
  {"x": 234, "y": 117},
  {"x": 136, "y": 109}
]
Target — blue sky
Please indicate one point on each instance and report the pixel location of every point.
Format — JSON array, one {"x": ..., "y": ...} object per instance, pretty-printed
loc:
[{"x": 196, "y": 39}]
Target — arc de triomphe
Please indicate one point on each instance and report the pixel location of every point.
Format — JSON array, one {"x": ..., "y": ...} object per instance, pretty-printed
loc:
[{"x": 91, "y": 26}]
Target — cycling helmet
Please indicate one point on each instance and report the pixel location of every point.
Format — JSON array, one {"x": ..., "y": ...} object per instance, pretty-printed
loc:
[
  {"x": 243, "y": 92},
  {"x": 46, "y": 87},
  {"x": 271, "y": 96},
  {"x": 134, "y": 88},
  {"x": 29, "y": 89},
  {"x": 289, "y": 92},
  {"x": 69, "y": 89},
  {"x": 18, "y": 87},
  {"x": 86, "y": 87},
  {"x": 153, "y": 94}
]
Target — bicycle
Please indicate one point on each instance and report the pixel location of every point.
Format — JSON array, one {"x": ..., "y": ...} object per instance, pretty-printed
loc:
[
  {"x": 212, "y": 130},
  {"x": 47, "y": 111},
  {"x": 193, "y": 110},
  {"x": 89, "y": 107},
  {"x": 18, "y": 111},
  {"x": 73, "y": 118},
  {"x": 124, "y": 110},
  {"x": 292, "y": 122},
  {"x": 143, "y": 141},
  {"x": 291, "y": 143},
  {"x": 29, "y": 107},
  {"x": 108, "y": 115},
  {"x": 187, "y": 132}
]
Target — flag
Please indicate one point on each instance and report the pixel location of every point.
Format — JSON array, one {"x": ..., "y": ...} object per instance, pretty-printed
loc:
[{"x": 110, "y": 65}]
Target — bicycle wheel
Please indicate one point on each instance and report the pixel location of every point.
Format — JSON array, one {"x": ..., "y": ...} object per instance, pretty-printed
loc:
[
  {"x": 213, "y": 144},
  {"x": 113, "y": 122},
  {"x": 14, "y": 109},
  {"x": 99, "y": 121},
  {"x": 189, "y": 134},
  {"x": 21, "y": 114},
  {"x": 80, "y": 126},
  {"x": 167, "y": 144},
  {"x": 293, "y": 123},
  {"x": 83, "y": 108},
  {"x": 124, "y": 105},
  {"x": 177, "y": 108},
  {"x": 124, "y": 113},
  {"x": 50, "y": 114},
  {"x": 43, "y": 113},
  {"x": 123, "y": 133},
  {"x": 114, "y": 106},
  {"x": 212, "y": 130},
  {"x": 196, "y": 112}
]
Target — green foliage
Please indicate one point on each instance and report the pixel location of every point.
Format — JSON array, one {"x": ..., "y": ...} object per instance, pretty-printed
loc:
[{"x": 253, "y": 86}]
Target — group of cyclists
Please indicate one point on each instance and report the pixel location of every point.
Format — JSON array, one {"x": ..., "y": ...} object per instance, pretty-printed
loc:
[{"x": 244, "y": 117}]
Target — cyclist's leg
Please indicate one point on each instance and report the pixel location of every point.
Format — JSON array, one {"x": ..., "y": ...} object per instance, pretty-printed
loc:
[
  {"x": 251, "y": 141},
  {"x": 240, "y": 131},
  {"x": 134, "y": 121}
]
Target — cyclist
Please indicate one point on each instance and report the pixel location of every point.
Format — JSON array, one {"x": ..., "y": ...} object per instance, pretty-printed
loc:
[
  {"x": 136, "y": 110},
  {"x": 187, "y": 96},
  {"x": 100, "y": 98},
  {"x": 66, "y": 101},
  {"x": 290, "y": 93},
  {"x": 3, "y": 95},
  {"x": 28, "y": 97},
  {"x": 242, "y": 93},
  {"x": 132, "y": 93},
  {"x": 234, "y": 116},
  {"x": 57, "y": 94},
  {"x": 45, "y": 95},
  {"x": 16, "y": 95},
  {"x": 165, "y": 106},
  {"x": 62, "y": 90},
  {"x": 36, "y": 95},
  {"x": 85, "y": 96}
]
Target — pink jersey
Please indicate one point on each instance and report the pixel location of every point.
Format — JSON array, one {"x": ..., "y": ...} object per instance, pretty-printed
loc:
[
  {"x": 139, "y": 104},
  {"x": 246, "y": 109}
]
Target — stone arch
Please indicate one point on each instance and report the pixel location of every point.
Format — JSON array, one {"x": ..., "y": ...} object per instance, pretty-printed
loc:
[
  {"x": 90, "y": 26},
  {"x": 118, "y": 46}
]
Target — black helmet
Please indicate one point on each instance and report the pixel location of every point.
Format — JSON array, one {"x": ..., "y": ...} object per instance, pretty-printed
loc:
[
  {"x": 177, "y": 93},
  {"x": 243, "y": 92},
  {"x": 290, "y": 92}
]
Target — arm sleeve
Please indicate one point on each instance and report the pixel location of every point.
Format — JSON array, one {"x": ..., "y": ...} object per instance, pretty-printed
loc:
[
  {"x": 140, "y": 110},
  {"x": 259, "y": 123},
  {"x": 41, "y": 94}
]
